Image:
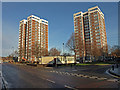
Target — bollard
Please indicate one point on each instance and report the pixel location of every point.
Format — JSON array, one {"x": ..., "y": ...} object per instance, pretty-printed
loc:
[
  {"x": 117, "y": 65},
  {"x": 113, "y": 67},
  {"x": 71, "y": 65}
]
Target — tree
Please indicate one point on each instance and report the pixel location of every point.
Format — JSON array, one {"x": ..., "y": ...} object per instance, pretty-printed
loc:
[
  {"x": 54, "y": 52},
  {"x": 43, "y": 52},
  {"x": 39, "y": 51},
  {"x": 98, "y": 52},
  {"x": 36, "y": 51},
  {"x": 115, "y": 51},
  {"x": 15, "y": 53},
  {"x": 71, "y": 44},
  {"x": 95, "y": 52}
]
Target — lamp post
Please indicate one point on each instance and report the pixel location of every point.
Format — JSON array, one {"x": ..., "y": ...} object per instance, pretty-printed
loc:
[
  {"x": 63, "y": 49},
  {"x": 63, "y": 52}
]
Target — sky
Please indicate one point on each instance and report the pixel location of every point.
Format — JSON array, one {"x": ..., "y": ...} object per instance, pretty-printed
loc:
[{"x": 60, "y": 21}]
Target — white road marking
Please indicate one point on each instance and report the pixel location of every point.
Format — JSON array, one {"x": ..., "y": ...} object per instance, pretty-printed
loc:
[
  {"x": 4, "y": 82},
  {"x": 93, "y": 77},
  {"x": 85, "y": 76},
  {"x": 102, "y": 78},
  {"x": 0, "y": 74},
  {"x": 70, "y": 87},
  {"x": 72, "y": 74},
  {"x": 50, "y": 80},
  {"x": 60, "y": 73},
  {"x": 56, "y": 71},
  {"x": 69, "y": 74},
  {"x": 80, "y": 75},
  {"x": 112, "y": 80},
  {"x": 75, "y": 74}
]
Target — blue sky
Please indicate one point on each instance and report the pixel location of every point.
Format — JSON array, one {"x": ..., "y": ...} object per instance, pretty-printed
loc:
[{"x": 60, "y": 18}]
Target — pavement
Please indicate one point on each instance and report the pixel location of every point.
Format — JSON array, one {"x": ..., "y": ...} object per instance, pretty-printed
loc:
[{"x": 115, "y": 71}]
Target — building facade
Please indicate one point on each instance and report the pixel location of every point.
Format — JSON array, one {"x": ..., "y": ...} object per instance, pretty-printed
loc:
[
  {"x": 90, "y": 33},
  {"x": 22, "y": 39},
  {"x": 36, "y": 39}
]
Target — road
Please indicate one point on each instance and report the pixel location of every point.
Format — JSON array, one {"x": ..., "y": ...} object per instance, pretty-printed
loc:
[
  {"x": 92, "y": 70},
  {"x": 22, "y": 76}
]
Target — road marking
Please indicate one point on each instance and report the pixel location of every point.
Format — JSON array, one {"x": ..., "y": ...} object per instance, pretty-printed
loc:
[
  {"x": 61, "y": 72},
  {"x": 0, "y": 74},
  {"x": 70, "y": 87},
  {"x": 56, "y": 71},
  {"x": 74, "y": 74},
  {"x": 4, "y": 83},
  {"x": 102, "y": 78},
  {"x": 80, "y": 75},
  {"x": 50, "y": 80},
  {"x": 67, "y": 73},
  {"x": 112, "y": 80},
  {"x": 85, "y": 76},
  {"x": 111, "y": 74},
  {"x": 94, "y": 77}
]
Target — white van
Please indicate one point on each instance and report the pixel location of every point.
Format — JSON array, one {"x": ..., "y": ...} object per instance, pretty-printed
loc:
[{"x": 0, "y": 61}]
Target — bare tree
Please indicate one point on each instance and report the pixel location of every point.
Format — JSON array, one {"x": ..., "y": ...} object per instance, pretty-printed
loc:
[
  {"x": 109, "y": 50},
  {"x": 54, "y": 52},
  {"x": 71, "y": 44},
  {"x": 43, "y": 52},
  {"x": 36, "y": 51},
  {"x": 39, "y": 51},
  {"x": 95, "y": 51},
  {"x": 15, "y": 53},
  {"x": 115, "y": 51},
  {"x": 98, "y": 52}
]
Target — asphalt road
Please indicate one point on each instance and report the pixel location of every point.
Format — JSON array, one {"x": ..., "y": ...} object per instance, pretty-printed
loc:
[
  {"x": 92, "y": 70},
  {"x": 22, "y": 76}
]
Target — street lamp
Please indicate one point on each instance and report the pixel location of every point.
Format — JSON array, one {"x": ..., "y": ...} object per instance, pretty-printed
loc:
[
  {"x": 63, "y": 51},
  {"x": 63, "y": 48}
]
